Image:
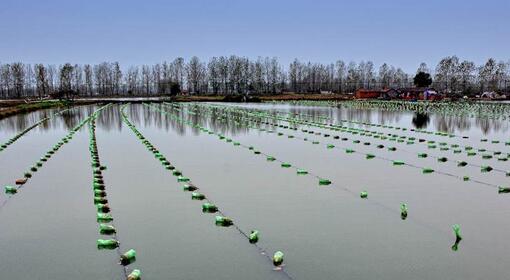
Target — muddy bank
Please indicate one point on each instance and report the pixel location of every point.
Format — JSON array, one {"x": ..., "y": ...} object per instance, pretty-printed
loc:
[
  {"x": 225, "y": 98},
  {"x": 261, "y": 98},
  {"x": 13, "y": 106}
]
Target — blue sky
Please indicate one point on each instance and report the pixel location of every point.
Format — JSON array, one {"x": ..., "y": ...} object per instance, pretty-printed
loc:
[{"x": 400, "y": 32}]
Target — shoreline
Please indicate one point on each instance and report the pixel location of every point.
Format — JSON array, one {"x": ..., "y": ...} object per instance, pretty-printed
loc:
[{"x": 10, "y": 107}]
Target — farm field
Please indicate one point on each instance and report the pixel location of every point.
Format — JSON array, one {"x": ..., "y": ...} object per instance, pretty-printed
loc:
[{"x": 214, "y": 190}]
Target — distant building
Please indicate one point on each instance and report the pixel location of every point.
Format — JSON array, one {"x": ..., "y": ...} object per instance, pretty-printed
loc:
[
  {"x": 367, "y": 94},
  {"x": 390, "y": 93},
  {"x": 377, "y": 94},
  {"x": 492, "y": 96},
  {"x": 419, "y": 94},
  {"x": 401, "y": 93}
]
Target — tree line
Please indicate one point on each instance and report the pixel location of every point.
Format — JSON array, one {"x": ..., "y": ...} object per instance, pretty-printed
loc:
[{"x": 239, "y": 75}]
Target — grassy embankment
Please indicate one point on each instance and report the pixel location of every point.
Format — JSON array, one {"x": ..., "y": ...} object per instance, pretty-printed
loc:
[
  {"x": 12, "y": 107},
  {"x": 8, "y": 110}
]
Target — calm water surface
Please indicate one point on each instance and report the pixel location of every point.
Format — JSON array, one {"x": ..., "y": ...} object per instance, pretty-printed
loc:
[{"x": 49, "y": 230}]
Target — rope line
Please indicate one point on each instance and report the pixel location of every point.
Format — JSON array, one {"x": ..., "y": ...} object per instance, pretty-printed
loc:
[{"x": 206, "y": 198}]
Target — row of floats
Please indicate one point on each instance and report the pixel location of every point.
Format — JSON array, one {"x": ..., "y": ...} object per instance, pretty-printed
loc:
[{"x": 207, "y": 206}]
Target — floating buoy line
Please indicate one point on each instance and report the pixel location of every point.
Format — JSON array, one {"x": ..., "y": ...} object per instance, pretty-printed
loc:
[
  {"x": 395, "y": 138},
  {"x": 19, "y": 183},
  {"x": 403, "y": 209},
  {"x": 425, "y": 170},
  {"x": 490, "y": 110},
  {"x": 269, "y": 158},
  {"x": 26, "y": 130},
  {"x": 446, "y": 134},
  {"x": 377, "y": 135},
  {"x": 431, "y": 144},
  {"x": 411, "y": 140},
  {"x": 330, "y": 121},
  {"x": 104, "y": 217},
  {"x": 299, "y": 171},
  {"x": 208, "y": 206},
  {"x": 424, "y": 141}
]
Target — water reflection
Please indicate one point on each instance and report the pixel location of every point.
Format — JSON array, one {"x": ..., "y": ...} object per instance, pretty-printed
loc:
[
  {"x": 455, "y": 246},
  {"x": 110, "y": 119},
  {"x": 452, "y": 124},
  {"x": 421, "y": 120},
  {"x": 70, "y": 119}
]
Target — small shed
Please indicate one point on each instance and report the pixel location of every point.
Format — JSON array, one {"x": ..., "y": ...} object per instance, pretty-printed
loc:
[
  {"x": 419, "y": 94},
  {"x": 390, "y": 93},
  {"x": 367, "y": 94}
]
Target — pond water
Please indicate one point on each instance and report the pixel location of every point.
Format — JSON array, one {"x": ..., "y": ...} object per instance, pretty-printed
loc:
[{"x": 48, "y": 230}]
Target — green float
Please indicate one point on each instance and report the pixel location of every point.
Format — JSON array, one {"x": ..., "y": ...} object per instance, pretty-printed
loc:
[
  {"x": 189, "y": 188},
  {"x": 103, "y": 217},
  {"x": 427, "y": 170},
  {"x": 278, "y": 258},
  {"x": 403, "y": 211},
  {"x": 107, "y": 229},
  {"x": 324, "y": 182},
  {"x": 209, "y": 208},
  {"x": 182, "y": 179},
  {"x": 503, "y": 189},
  {"x": 10, "y": 190},
  {"x": 128, "y": 257},
  {"x": 107, "y": 244},
  {"x": 254, "y": 236},
  {"x": 135, "y": 275},
  {"x": 197, "y": 196},
  {"x": 223, "y": 221},
  {"x": 363, "y": 194}
]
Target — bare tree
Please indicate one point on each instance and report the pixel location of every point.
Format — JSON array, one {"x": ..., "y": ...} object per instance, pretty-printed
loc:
[
  {"x": 353, "y": 77},
  {"x": 400, "y": 78},
  {"x": 89, "y": 80},
  {"x": 240, "y": 75},
  {"x": 5, "y": 80},
  {"x": 77, "y": 79},
  {"x": 18, "y": 78},
  {"x": 384, "y": 75},
  {"x": 257, "y": 71},
  {"x": 41, "y": 80},
  {"x": 423, "y": 68},
  {"x": 66, "y": 74},
  {"x": 117, "y": 78},
  {"x": 487, "y": 74},
  {"x": 501, "y": 70},
  {"x": 293, "y": 75},
  {"x": 446, "y": 73},
  {"x": 29, "y": 88},
  {"x": 167, "y": 78},
  {"x": 340, "y": 75},
  {"x": 195, "y": 74},
  {"x": 146, "y": 79},
  {"x": 178, "y": 71},
  {"x": 466, "y": 72},
  {"x": 52, "y": 77},
  {"x": 213, "y": 73},
  {"x": 132, "y": 80}
]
